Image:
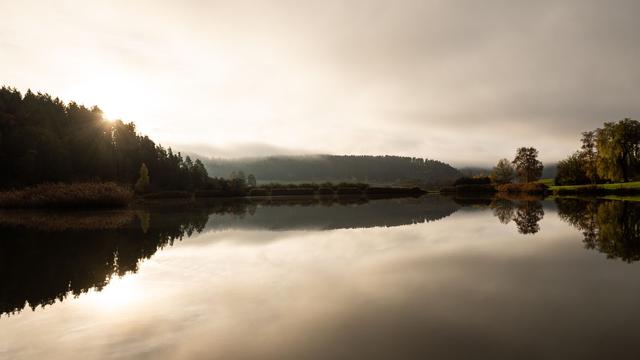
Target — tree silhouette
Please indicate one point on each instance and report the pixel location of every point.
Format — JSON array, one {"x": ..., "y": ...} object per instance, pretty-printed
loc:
[
  {"x": 528, "y": 167},
  {"x": 44, "y": 140},
  {"x": 503, "y": 172}
]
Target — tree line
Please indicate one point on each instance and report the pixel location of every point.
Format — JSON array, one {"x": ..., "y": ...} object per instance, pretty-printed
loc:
[
  {"x": 607, "y": 154},
  {"x": 525, "y": 168},
  {"x": 337, "y": 168},
  {"x": 42, "y": 139}
]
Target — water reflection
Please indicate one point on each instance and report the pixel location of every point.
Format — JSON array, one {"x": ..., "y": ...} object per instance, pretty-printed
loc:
[
  {"x": 241, "y": 287},
  {"x": 609, "y": 226},
  {"x": 46, "y": 257},
  {"x": 526, "y": 212},
  {"x": 347, "y": 213}
]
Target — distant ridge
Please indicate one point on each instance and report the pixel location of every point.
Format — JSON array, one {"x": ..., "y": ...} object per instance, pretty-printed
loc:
[{"x": 335, "y": 168}]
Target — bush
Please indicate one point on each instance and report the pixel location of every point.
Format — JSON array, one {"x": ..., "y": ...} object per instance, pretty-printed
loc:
[
  {"x": 402, "y": 191},
  {"x": 481, "y": 180},
  {"x": 475, "y": 189},
  {"x": 292, "y": 191},
  {"x": 60, "y": 195},
  {"x": 349, "y": 191},
  {"x": 528, "y": 188}
]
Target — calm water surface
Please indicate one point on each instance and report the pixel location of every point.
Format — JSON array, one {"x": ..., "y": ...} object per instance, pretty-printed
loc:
[{"x": 420, "y": 278}]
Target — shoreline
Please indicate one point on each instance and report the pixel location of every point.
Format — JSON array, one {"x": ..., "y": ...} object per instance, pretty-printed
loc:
[{"x": 115, "y": 196}]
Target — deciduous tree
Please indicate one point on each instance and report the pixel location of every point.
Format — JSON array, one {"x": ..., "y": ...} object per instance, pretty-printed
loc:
[
  {"x": 527, "y": 165},
  {"x": 503, "y": 172},
  {"x": 589, "y": 155},
  {"x": 618, "y": 150}
]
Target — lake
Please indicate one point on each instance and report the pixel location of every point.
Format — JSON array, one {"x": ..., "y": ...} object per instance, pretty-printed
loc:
[{"x": 432, "y": 277}]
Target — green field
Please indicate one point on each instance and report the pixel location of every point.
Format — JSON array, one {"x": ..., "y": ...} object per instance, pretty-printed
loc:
[
  {"x": 549, "y": 182},
  {"x": 629, "y": 185},
  {"x": 574, "y": 190},
  {"x": 635, "y": 198}
]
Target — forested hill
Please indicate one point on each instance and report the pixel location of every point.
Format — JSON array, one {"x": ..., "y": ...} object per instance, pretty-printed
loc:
[
  {"x": 336, "y": 168},
  {"x": 43, "y": 139}
]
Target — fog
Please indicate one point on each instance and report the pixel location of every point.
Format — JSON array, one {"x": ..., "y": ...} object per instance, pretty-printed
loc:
[{"x": 460, "y": 81}]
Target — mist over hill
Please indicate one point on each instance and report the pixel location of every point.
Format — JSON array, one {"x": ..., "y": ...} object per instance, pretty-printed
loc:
[
  {"x": 549, "y": 171},
  {"x": 335, "y": 168}
]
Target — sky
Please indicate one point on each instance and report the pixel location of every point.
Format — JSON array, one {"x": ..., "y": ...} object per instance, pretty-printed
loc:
[{"x": 462, "y": 81}]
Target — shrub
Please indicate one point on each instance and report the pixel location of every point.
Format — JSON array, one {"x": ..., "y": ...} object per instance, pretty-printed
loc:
[
  {"x": 402, "y": 191},
  {"x": 292, "y": 191},
  {"x": 481, "y": 180},
  {"x": 349, "y": 191},
  {"x": 470, "y": 189},
  {"x": 528, "y": 188}
]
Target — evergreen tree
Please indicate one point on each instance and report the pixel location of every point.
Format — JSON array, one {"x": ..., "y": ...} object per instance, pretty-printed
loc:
[{"x": 44, "y": 140}]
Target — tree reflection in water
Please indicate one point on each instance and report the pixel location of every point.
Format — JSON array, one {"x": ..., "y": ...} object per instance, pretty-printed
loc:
[
  {"x": 47, "y": 256},
  {"x": 526, "y": 214},
  {"x": 609, "y": 226}
]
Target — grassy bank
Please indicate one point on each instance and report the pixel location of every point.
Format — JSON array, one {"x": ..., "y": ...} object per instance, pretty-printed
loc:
[
  {"x": 630, "y": 188},
  {"x": 74, "y": 195}
]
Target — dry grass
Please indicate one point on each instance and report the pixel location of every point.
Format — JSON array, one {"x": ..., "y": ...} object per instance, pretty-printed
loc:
[
  {"x": 44, "y": 220},
  {"x": 75, "y": 195}
]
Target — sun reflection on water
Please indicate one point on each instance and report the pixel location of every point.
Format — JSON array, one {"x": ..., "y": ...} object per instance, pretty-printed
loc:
[{"x": 119, "y": 294}]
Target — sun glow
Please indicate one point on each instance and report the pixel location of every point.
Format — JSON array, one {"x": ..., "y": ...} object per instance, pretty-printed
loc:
[
  {"x": 119, "y": 93},
  {"x": 120, "y": 293}
]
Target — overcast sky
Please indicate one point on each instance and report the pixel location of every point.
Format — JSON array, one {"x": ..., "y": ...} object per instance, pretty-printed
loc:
[{"x": 461, "y": 81}]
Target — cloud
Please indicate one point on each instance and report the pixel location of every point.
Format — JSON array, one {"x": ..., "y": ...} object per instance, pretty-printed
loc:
[
  {"x": 236, "y": 150},
  {"x": 462, "y": 81}
]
